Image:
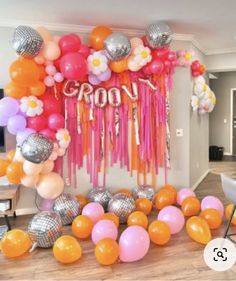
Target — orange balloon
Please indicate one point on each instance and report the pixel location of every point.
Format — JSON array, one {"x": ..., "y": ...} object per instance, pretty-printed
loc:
[
  {"x": 107, "y": 251},
  {"x": 15, "y": 243},
  {"x": 191, "y": 206},
  {"x": 143, "y": 205},
  {"x": 112, "y": 217},
  {"x": 82, "y": 226},
  {"x": 11, "y": 154},
  {"x": 82, "y": 200},
  {"x": 42, "y": 72},
  {"x": 159, "y": 232},
  {"x": 198, "y": 229},
  {"x": 138, "y": 218},
  {"x": 15, "y": 91},
  {"x": 173, "y": 190},
  {"x": 228, "y": 211},
  {"x": 98, "y": 35},
  {"x": 119, "y": 65},
  {"x": 126, "y": 191},
  {"x": 4, "y": 163},
  {"x": 38, "y": 89},
  {"x": 212, "y": 217},
  {"x": 164, "y": 198},
  {"x": 67, "y": 249},
  {"x": 24, "y": 72},
  {"x": 15, "y": 172}
]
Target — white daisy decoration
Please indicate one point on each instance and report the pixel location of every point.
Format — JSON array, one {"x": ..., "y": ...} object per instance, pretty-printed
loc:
[
  {"x": 142, "y": 55},
  {"x": 195, "y": 103},
  {"x": 63, "y": 138},
  {"x": 97, "y": 63},
  {"x": 31, "y": 105}
]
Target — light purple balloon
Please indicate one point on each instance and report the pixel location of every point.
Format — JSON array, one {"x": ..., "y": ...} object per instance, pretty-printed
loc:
[
  {"x": 214, "y": 203},
  {"x": 104, "y": 76},
  {"x": 58, "y": 77},
  {"x": 93, "y": 79},
  {"x": 23, "y": 135},
  {"x": 104, "y": 229},
  {"x": 93, "y": 210},
  {"x": 173, "y": 217},
  {"x": 9, "y": 106},
  {"x": 46, "y": 205},
  {"x": 15, "y": 124},
  {"x": 183, "y": 194},
  {"x": 3, "y": 120},
  {"x": 133, "y": 244}
]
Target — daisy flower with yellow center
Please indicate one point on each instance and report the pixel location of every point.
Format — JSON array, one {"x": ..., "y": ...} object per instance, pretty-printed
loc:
[
  {"x": 97, "y": 63},
  {"x": 63, "y": 138},
  {"x": 31, "y": 105},
  {"x": 142, "y": 55}
]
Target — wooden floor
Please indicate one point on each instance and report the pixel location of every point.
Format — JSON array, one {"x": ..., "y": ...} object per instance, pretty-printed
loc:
[{"x": 181, "y": 259}]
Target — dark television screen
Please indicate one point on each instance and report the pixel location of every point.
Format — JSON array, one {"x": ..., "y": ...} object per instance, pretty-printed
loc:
[{"x": 2, "y": 140}]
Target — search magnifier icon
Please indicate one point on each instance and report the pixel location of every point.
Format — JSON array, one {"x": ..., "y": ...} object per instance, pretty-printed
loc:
[{"x": 220, "y": 254}]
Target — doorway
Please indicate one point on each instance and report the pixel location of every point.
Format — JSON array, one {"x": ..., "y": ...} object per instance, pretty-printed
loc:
[{"x": 233, "y": 122}]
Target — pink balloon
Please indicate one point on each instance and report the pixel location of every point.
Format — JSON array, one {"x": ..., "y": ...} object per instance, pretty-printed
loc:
[
  {"x": 73, "y": 66},
  {"x": 69, "y": 43},
  {"x": 84, "y": 50},
  {"x": 49, "y": 81},
  {"x": 48, "y": 133},
  {"x": 146, "y": 69},
  {"x": 93, "y": 210},
  {"x": 51, "y": 69},
  {"x": 104, "y": 229},
  {"x": 212, "y": 202},
  {"x": 184, "y": 193},
  {"x": 172, "y": 56},
  {"x": 133, "y": 244},
  {"x": 46, "y": 204},
  {"x": 173, "y": 217},
  {"x": 58, "y": 77},
  {"x": 156, "y": 66},
  {"x": 161, "y": 53},
  {"x": 56, "y": 121}
]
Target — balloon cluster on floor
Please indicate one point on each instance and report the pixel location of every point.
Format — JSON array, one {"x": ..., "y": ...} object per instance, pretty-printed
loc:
[{"x": 100, "y": 218}]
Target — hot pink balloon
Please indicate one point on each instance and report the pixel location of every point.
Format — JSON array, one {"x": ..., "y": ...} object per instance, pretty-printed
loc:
[
  {"x": 146, "y": 69},
  {"x": 50, "y": 134},
  {"x": 93, "y": 210},
  {"x": 184, "y": 193},
  {"x": 133, "y": 244},
  {"x": 104, "y": 229},
  {"x": 84, "y": 50},
  {"x": 69, "y": 43},
  {"x": 73, "y": 66},
  {"x": 173, "y": 217},
  {"x": 214, "y": 203},
  {"x": 156, "y": 66},
  {"x": 172, "y": 56},
  {"x": 56, "y": 121}
]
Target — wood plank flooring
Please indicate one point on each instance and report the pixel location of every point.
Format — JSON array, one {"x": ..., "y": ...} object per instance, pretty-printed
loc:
[{"x": 181, "y": 259}]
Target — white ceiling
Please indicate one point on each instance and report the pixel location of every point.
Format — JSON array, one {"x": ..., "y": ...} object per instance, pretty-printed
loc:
[{"x": 212, "y": 23}]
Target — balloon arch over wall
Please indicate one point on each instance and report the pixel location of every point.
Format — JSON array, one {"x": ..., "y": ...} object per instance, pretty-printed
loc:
[{"x": 102, "y": 104}]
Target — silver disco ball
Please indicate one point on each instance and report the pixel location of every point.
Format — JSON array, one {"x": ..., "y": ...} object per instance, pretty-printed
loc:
[
  {"x": 100, "y": 195},
  {"x": 144, "y": 191},
  {"x": 67, "y": 207},
  {"x": 121, "y": 205},
  {"x": 45, "y": 228}
]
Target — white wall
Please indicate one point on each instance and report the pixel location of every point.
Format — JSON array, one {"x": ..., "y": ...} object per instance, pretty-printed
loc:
[{"x": 182, "y": 173}]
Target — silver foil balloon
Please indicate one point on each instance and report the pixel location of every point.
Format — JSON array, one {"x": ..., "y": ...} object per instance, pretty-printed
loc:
[
  {"x": 144, "y": 191},
  {"x": 121, "y": 205},
  {"x": 44, "y": 229},
  {"x": 36, "y": 148},
  {"x": 67, "y": 207},
  {"x": 117, "y": 46},
  {"x": 100, "y": 195},
  {"x": 158, "y": 34},
  {"x": 27, "y": 42}
]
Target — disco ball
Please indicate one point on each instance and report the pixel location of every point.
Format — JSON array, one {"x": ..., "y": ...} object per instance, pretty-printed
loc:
[
  {"x": 100, "y": 195},
  {"x": 144, "y": 191}
]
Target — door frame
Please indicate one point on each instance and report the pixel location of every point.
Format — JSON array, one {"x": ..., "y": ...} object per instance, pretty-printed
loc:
[{"x": 231, "y": 118}]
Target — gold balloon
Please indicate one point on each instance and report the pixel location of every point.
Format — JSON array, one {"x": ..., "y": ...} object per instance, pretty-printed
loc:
[{"x": 198, "y": 229}]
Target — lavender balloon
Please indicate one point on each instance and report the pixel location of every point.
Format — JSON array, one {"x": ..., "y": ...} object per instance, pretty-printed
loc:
[
  {"x": 3, "y": 120},
  {"x": 23, "y": 135},
  {"x": 93, "y": 79},
  {"x": 9, "y": 106},
  {"x": 15, "y": 124},
  {"x": 104, "y": 76}
]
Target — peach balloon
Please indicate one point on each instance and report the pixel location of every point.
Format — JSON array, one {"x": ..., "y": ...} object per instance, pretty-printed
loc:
[
  {"x": 135, "y": 42},
  {"x": 50, "y": 186},
  {"x": 132, "y": 65},
  {"x": 47, "y": 167},
  {"x": 39, "y": 59},
  {"x": 56, "y": 38},
  {"x": 32, "y": 169},
  {"x": 44, "y": 32},
  {"x": 61, "y": 151},
  {"x": 18, "y": 156},
  {"x": 53, "y": 156},
  {"x": 30, "y": 181},
  {"x": 51, "y": 51}
]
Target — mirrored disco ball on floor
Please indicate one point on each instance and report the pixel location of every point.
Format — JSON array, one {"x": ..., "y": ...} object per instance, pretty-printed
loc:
[
  {"x": 100, "y": 195},
  {"x": 67, "y": 207},
  {"x": 121, "y": 205},
  {"x": 45, "y": 228},
  {"x": 143, "y": 191}
]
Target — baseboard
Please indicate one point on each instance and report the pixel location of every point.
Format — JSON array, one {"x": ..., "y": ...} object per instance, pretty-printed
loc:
[
  {"x": 200, "y": 180},
  {"x": 27, "y": 211},
  {"x": 227, "y": 154}
]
